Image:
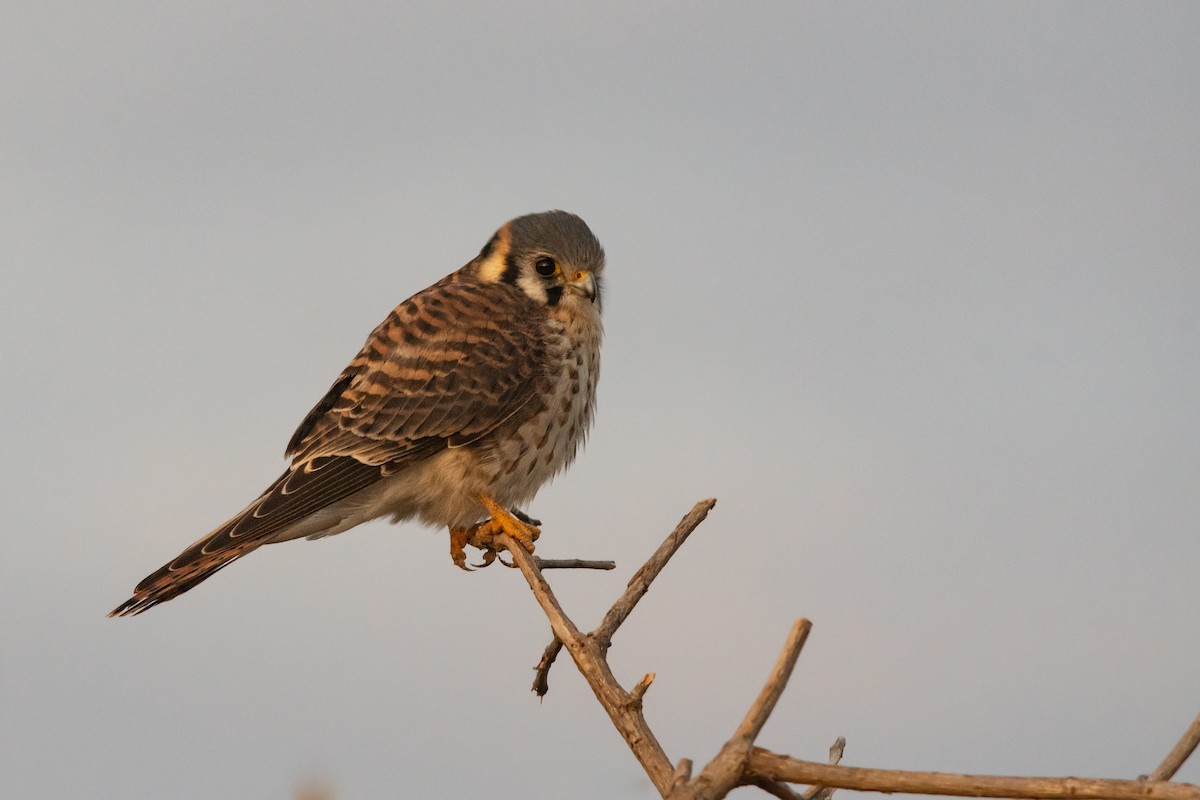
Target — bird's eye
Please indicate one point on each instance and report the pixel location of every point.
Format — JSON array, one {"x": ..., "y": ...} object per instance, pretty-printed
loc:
[{"x": 545, "y": 267}]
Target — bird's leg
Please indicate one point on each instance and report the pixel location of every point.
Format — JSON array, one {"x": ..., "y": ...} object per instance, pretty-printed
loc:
[
  {"x": 482, "y": 535},
  {"x": 503, "y": 521}
]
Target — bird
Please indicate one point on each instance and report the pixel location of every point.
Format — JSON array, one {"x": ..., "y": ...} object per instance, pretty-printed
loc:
[{"x": 468, "y": 398}]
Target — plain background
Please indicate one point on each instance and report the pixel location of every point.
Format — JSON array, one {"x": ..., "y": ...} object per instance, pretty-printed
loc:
[{"x": 913, "y": 289}]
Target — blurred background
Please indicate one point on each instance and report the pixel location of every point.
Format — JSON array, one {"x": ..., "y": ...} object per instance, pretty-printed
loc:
[{"x": 913, "y": 289}]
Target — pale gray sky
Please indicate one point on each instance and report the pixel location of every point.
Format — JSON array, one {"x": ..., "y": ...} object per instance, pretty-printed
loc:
[{"x": 913, "y": 289}]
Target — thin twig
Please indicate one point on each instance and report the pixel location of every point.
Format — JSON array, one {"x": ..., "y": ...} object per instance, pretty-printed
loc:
[
  {"x": 757, "y": 716},
  {"x": 726, "y": 770},
  {"x": 541, "y": 683},
  {"x": 639, "y": 690},
  {"x": 836, "y": 751},
  {"x": 572, "y": 563},
  {"x": 818, "y": 792},
  {"x": 626, "y": 715},
  {"x": 636, "y": 589},
  {"x": 541, "y": 673},
  {"x": 765, "y": 764},
  {"x": 639, "y": 584},
  {"x": 1179, "y": 754}
]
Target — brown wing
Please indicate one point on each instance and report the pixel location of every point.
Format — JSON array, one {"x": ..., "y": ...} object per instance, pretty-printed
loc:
[
  {"x": 445, "y": 368},
  {"x": 448, "y": 366}
]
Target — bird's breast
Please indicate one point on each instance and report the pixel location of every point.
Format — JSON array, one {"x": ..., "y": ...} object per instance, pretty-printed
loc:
[{"x": 549, "y": 439}]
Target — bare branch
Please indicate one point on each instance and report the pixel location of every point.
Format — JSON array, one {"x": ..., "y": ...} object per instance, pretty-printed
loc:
[
  {"x": 626, "y": 715},
  {"x": 757, "y": 716},
  {"x": 1179, "y": 754},
  {"x": 740, "y": 763},
  {"x": 638, "y": 585},
  {"x": 772, "y": 766},
  {"x": 572, "y": 563},
  {"x": 836, "y": 751},
  {"x": 541, "y": 683},
  {"x": 818, "y": 792},
  {"x": 725, "y": 771}
]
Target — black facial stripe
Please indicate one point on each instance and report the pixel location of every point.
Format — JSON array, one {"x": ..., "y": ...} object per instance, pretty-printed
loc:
[
  {"x": 553, "y": 295},
  {"x": 511, "y": 270}
]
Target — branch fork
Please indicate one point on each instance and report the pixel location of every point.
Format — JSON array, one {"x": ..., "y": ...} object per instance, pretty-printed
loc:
[{"x": 740, "y": 762}]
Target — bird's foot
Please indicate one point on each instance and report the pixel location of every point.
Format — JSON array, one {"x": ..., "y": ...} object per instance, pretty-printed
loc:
[
  {"x": 523, "y": 530},
  {"x": 459, "y": 539},
  {"x": 482, "y": 535}
]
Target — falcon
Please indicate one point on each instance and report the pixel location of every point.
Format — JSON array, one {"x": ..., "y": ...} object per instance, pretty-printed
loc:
[{"x": 470, "y": 396}]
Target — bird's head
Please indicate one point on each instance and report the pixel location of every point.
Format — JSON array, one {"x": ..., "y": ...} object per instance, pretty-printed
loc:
[{"x": 552, "y": 257}]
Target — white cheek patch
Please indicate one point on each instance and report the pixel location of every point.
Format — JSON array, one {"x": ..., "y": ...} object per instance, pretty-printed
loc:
[{"x": 534, "y": 287}]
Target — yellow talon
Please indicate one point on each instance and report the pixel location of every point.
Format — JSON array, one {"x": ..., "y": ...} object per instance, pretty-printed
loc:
[
  {"x": 459, "y": 538},
  {"x": 482, "y": 535},
  {"x": 503, "y": 521}
]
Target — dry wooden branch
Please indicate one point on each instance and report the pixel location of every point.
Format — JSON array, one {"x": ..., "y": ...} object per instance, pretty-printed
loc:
[
  {"x": 541, "y": 672},
  {"x": 764, "y": 763},
  {"x": 1179, "y": 754},
  {"x": 818, "y": 792},
  {"x": 636, "y": 589},
  {"x": 740, "y": 763},
  {"x": 573, "y": 563},
  {"x": 727, "y": 769},
  {"x": 639, "y": 584},
  {"x": 785, "y": 792},
  {"x": 639, "y": 689},
  {"x": 623, "y": 709}
]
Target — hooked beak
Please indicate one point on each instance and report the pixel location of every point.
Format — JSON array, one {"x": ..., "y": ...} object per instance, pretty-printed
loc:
[{"x": 584, "y": 282}]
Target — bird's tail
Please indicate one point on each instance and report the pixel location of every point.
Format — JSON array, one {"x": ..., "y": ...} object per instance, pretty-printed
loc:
[
  {"x": 189, "y": 568},
  {"x": 297, "y": 494},
  {"x": 235, "y": 538}
]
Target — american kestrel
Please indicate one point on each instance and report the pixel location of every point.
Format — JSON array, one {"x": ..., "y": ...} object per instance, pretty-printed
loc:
[{"x": 461, "y": 404}]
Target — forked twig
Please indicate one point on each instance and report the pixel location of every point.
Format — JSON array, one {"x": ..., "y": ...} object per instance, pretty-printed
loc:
[
  {"x": 728, "y": 768},
  {"x": 624, "y": 711},
  {"x": 740, "y": 762},
  {"x": 818, "y": 792},
  {"x": 638, "y": 585}
]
